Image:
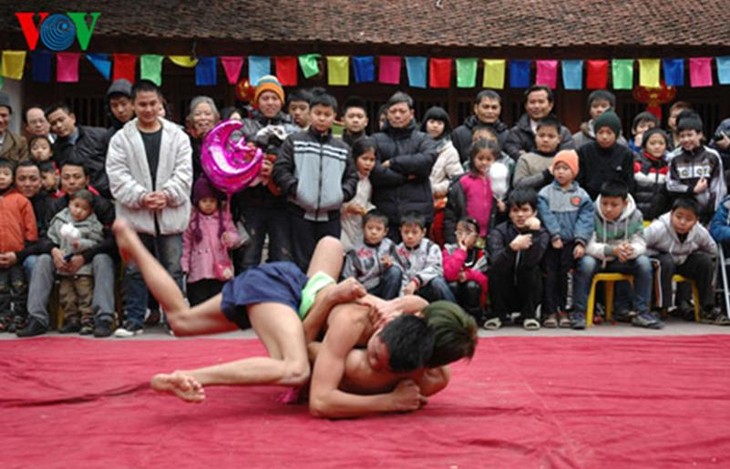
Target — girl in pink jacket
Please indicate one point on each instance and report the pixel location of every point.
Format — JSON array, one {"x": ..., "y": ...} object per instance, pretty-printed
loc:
[{"x": 206, "y": 241}]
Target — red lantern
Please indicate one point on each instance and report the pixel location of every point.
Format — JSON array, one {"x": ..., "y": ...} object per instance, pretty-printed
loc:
[
  {"x": 245, "y": 91},
  {"x": 655, "y": 97}
]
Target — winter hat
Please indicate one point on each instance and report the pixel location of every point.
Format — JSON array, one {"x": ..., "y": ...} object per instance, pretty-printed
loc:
[
  {"x": 608, "y": 119},
  {"x": 269, "y": 83},
  {"x": 5, "y": 101},
  {"x": 203, "y": 188},
  {"x": 121, "y": 87},
  {"x": 438, "y": 114},
  {"x": 653, "y": 131},
  {"x": 569, "y": 157}
]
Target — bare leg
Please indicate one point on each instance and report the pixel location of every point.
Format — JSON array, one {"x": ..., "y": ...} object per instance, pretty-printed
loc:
[
  {"x": 205, "y": 318},
  {"x": 328, "y": 257}
]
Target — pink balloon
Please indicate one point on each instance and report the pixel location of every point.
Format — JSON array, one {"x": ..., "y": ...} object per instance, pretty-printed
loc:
[{"x": 230, "y": 164}]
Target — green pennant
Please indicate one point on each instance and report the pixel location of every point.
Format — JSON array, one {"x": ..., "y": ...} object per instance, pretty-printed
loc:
[
  {"x": 466, "y": 72},
  {"x": 623, "y": 74},
  {"x": 150, "y": 66},
  {"x": 309, "y": 64}
]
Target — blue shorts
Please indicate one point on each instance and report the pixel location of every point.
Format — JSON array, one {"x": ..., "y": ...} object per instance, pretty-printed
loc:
[{"x": 274, "y": 282}]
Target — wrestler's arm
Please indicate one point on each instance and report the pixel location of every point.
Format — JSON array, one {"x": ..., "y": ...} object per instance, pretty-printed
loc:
[
  {"x": 434, "y": 380},
  {"x": 384, "y": 310},
  {"x": 325, "y": 398}
]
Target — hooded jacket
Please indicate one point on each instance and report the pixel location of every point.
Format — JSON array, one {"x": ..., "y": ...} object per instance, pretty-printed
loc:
[
  {"x": 364, "y": 262},
  {"x": 521, "y": 138},
  {"x": 566, "y": 213},
  {"x": 461, "y": 136},
  {"x": 662, "y": 238},
  {"x": 607, "y": 234},
  {"x": 91, "y": 231},
  {"x": 405, "y": 185}
]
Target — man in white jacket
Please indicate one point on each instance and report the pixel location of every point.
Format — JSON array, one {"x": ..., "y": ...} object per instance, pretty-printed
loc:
[{"x": 149, "y": 165}]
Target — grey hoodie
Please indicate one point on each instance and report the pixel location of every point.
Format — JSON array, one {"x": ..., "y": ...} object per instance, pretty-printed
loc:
[
  {"x": 661, "y": 238},
  {"x": 609, "y": 234}
]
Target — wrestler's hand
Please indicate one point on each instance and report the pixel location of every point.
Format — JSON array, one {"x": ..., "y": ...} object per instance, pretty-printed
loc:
[
  {"x": 407, "y": 397},
  {"x": 381, "y": 312}
]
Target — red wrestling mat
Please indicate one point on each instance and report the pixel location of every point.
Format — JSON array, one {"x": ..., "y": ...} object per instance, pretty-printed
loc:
[{"x": 522, "y": 402}]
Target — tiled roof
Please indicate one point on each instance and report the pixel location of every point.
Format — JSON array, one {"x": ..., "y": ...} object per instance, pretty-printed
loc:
[{"x": 437, "y": 23}]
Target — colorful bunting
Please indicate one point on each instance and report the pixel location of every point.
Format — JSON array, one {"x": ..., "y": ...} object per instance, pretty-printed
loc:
[
  {"x": 723, "y": 70},
  {"x": 338, "y": 70},
  {"x": 700, "y": 72},
  {"x": 493, "y": 74},
  {"x": 102, "y": 63},
  {"x": 258, "y": 66},
  {"x": 673, "y": 72},
  {"x": 519, "y": 73},
  {"x": 185, "y": 61},
  {"x": 232, "y": 66},
  {"x": 41, "y": 66},
  {"x": 309, "y": 64},
  {"x": 67, "y": 67},
  {"x": 13, "y": 64},
  {"x": 364, "y": 67},
  {"x": 466, "y": 72},
  {"x": 150, "y": 68},
  {"x": 416, "y": 71},
  {"x": 597, "y": 74},
  {"x": 206, "y": 73},
  {"x": 286, "y": 70},
  {"x": 547, "y": 73},
  {"x": 124, "y": 65},
  {"x": 649, "y": 73},
  {"x": 389, "y": 72},
  {"x": 572, "y": 74},
  {"x": 622, "y": 72},
  {"x": 439, "y": 73}
]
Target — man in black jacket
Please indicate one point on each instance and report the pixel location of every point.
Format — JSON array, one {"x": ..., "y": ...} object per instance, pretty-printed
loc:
[
  {"x": 539, "y": 104},
  {"x": 86, "y": 144},
  {"x": 487, "y": 108},
  {"x": 405, "y": 157}
]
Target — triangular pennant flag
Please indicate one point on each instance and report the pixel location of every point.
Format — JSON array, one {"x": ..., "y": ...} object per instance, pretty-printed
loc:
[
  {"x": 439, "y": 73},
  {"x": 494, "y": 73},
  {"x": 700, "y": 72},
  {"x": 572, "y": 74},
  {"x": 723, "y": 69},
  {"x": 309, "y": 64},
  {"x": 622, "y": 72},
  {"x": 286, "y": 70},
  {"x": 547, "y": 73},
  {"x": 185, "y": 61},
  {"x": 416, "y": 71},
  {"x": 389, "y": 70},
  {"x": 150, "y": 68},
  {"x": 232, "y": 66},
  {"x": 519, "y": 73},
  {"x": 597, "y": 74},
  {"x": 258, "y": 66},
  {"x": 205, "y": 72},
  {"x": 41, "y": 66},
  {"x": 13, "y": 64},
  {"x": 338, "y": 70},
  {"x": 102, "y": 63},
  {"x": 364, "y": 68},
  {"x": 466, "y": 72},
  {"x": 673, "y": 72},
  {"x": 67, "y": 67},
  {"x": 124, "y": 67},
  {"x": 649, "y": 73}
]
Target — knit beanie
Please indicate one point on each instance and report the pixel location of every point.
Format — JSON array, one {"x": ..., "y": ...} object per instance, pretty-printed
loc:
[
  {"x": 569, "y": 157},
  {"x": 203, "y": 188},
  {"x": 653, "y": 131},
  {"x": 269, "y": 83},
  {"x": 121, "y": 87},
  {"x": 608, "y": 119}
]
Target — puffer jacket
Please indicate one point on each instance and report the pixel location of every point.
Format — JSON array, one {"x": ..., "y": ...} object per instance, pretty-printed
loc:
[
  {"x": 661, "y": 238},
  {"x": 650, "y": 183},
  {"x": 607, "y": 234}
]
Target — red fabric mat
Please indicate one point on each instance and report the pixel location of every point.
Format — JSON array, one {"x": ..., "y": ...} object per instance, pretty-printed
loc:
[{"x": 522, "y": 402}]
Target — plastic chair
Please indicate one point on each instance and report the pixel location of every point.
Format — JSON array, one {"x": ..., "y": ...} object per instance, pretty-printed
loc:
[
  {"x": 676, "y": 278},
  {"x": 609, "y": 279}
]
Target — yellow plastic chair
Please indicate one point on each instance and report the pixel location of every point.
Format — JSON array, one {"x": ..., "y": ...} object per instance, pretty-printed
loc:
[
  {"x": 609, "y": 279},
  {"x": 676, "y": 278}
]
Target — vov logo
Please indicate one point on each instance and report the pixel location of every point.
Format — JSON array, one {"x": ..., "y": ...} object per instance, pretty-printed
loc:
[{"x": 57, "y": 31}]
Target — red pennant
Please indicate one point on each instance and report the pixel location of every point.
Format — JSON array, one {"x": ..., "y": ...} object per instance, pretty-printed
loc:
[
  {"x": 596, "y": 74},
  {"x": 439, "y": 73},
  {"x": 124, "y": 67},
  {"x": 232, "y": 66},
  {"x": 67, "y": 67},
  {"x": 286, "y": 70}
]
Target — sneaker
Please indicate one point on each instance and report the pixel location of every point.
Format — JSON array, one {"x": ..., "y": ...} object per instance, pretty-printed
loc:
[
  {"x": 624, "y": 316},
  {"x": 70, "y": 327},
  {"x": 129, "y": 329},
  {"x": 32, "y": 329},
  {"x": 550, "y": 322},
  {"x": 493, "y": 324},
  {"x": 87, "y": 329},
  {"x": 103, "y": 328},
  {"x": 563, "y": 320},
  {"x": 715, "y": 317},
  {"x": 647, "y": 320},
  {"x": 577, "y": 321}
]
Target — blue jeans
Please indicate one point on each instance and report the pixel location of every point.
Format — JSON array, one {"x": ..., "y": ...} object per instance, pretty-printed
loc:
[
  {"x": 390, "y": 283},
  {"x": 437, "y": 289},
  {"x": 28, "y": 265},
  {"x": 168, "y": 250},
  {"x": 640, "y": 268}
]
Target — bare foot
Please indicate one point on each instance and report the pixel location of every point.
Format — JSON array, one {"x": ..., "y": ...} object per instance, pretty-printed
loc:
[
  {"x": 344, "y": 292},
  {"x": 127, "y": 238},
  {"x": 183, "y": 386}
]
